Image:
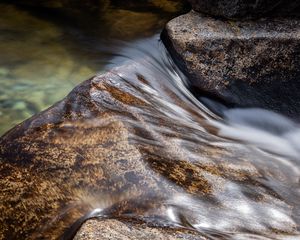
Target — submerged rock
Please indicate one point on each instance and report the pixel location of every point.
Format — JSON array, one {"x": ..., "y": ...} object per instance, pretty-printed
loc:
[
  {"x": 246, "y": 8},
  {"x": 246, "y": 63},
  {"x": 126, "y": 145}
]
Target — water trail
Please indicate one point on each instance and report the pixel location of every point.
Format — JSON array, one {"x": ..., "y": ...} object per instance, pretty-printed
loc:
[
  {"x": 265, "y": 129},
  {"x": 248, "y": 157}
]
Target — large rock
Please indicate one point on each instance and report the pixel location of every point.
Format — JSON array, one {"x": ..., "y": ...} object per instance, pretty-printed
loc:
[
  {"x": 246, "y": 8},
  {"x": 248, "y": 63},
  {"x": 129, "y": 146}
]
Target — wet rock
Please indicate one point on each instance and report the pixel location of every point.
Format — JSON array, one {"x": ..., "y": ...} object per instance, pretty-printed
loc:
[
  {"x": 246, "y": 8},
  {"x": 133, "y": 230},
  {"x": 133, "y": 152},
  {"x": 82, "y": 154},
  {"x": 247, "y": 64}
]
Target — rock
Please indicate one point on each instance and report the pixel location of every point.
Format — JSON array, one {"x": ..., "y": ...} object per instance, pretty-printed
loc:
[
  {"x": 131, "y": 230},
  {"x": 83, "y": 158},
  {"x": 246, "y": 64},
  {"x": 124, "y": 144},
  {"x": 247, "y": 9}
]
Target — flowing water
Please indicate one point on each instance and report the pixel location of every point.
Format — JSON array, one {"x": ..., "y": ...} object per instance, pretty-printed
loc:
[
  {"x": 227, "y": 173},
  {"x": 249, "y": 158}
]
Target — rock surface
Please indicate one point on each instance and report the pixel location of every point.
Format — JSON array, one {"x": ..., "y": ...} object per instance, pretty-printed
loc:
[
  {"x": 247, "y": 9},
  {"x": 137, "y": 151},
  {"x": 249, "y": 63},
  {"x": 82, "y": 158},
  {"x": 130, "y": 230}
]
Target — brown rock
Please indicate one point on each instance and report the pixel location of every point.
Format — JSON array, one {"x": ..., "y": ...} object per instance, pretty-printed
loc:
[
  {"x": 249, "y": 63},
  {"x": 115, "y": 146},
  {"x": 79, "y": 155},
  {"x": 131, "y": 230}
]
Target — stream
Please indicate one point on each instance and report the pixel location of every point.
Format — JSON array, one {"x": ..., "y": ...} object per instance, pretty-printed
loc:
[{"x": 241, "y": 166}]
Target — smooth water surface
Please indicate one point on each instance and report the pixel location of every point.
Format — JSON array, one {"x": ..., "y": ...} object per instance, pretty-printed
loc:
[{"x": 45, "y": 51}]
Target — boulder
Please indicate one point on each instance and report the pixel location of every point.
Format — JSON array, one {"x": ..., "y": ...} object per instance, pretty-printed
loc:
[
  {"x": 242, "y": 63},
  {"x": 126, "y": 145},
  {"x": 247, "y": 9}
]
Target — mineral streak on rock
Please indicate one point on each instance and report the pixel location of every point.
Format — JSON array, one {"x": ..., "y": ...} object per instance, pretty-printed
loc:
[
  {"x": 246, "y": 63},
  {"x": 113, "y": 145}
]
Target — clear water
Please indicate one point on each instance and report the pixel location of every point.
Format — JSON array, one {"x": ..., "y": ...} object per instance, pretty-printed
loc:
[{"x": 45, "y": 53}]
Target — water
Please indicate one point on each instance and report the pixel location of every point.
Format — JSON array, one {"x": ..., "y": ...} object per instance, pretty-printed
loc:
[
  {"x": 249, "y": 164},
  {"x": 224, "y": 173},
  {"x": 46, "y": 52}
]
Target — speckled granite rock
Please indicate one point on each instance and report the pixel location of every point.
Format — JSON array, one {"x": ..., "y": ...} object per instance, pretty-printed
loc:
[
  {"x": 125, "y": 143},
  {"x": 246, "y": 8},
  {"x": 130, "y": 230},
  {"x": 82, "y": 157},
  {"x": 249, "y": 63}
]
